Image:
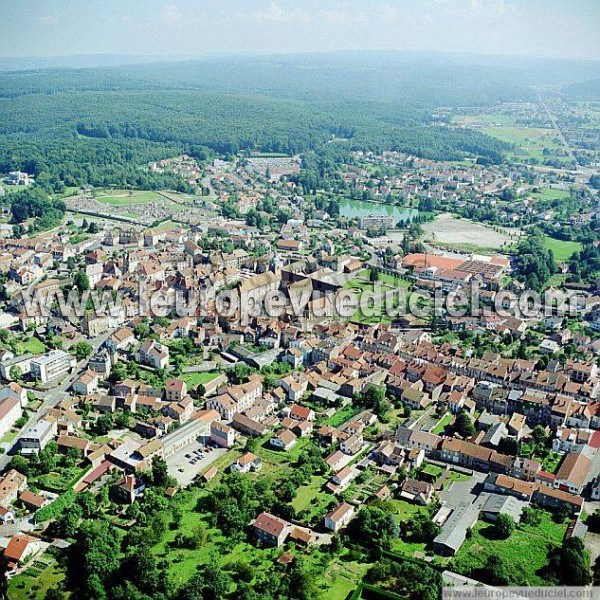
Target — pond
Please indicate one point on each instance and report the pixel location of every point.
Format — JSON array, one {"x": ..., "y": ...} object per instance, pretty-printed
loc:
[{"x": 359, "y": 208}]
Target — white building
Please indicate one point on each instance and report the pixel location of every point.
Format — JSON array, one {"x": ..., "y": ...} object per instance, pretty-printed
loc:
[{"x": 52, "y": 365}]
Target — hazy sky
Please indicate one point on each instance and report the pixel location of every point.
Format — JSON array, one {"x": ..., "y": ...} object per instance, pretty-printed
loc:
[{"x": 558, "y": 28}]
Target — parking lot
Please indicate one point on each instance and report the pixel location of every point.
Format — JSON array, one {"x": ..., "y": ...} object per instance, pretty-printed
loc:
[{"x": 195, "y": 459}]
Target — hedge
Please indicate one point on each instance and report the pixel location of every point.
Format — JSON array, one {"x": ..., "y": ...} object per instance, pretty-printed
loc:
[{"x": 55, "y": 509}]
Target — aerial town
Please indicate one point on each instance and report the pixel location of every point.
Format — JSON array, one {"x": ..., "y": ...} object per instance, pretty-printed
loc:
[
  {"x": 299, "y": 300},
  {"x": 438, "y": 435}
]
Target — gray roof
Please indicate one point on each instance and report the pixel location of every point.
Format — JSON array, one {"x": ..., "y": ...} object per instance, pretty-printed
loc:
[
  {"x": 507, "y": 505},
  {"x": 454, "y": 530},
  {"x": 494, "y": 434}
]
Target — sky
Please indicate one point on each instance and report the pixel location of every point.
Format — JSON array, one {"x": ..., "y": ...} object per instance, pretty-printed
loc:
[{"x": 547, "y": 28}]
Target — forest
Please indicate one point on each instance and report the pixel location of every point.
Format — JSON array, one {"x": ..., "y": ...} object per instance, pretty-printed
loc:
[{"x": 97, "y": 126}]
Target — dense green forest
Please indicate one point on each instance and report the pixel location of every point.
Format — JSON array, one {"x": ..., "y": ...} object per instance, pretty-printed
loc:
[{"x": 99, "y": 125}]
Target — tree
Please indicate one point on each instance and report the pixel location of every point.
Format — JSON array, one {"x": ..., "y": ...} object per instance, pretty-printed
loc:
[
  {"x": 504, "y": 526},
  {"x": 509, "y": 445},
  {"x": 92, "y": 558},
  {"x": 495, "y": 571},
  {"x": 82, "y": 350},
  {"x": 570, "y": 563},
  {"x": 464, "y": 425},
  {"x": 374, "y": 526},
  {"x": 593, "y": 521},
  {"x": 423, "y": 528},
  {"x": 15, "y": 372},
  {"x": 81, "y": 281},
  {"x": 373, "y": 275},
  {"x": 18, "y": 463},
  {"x": 160, "y": 474}
]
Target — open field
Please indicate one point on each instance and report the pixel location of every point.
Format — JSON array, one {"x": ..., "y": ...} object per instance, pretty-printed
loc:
[
  {"x": 525, "y": 551},
  {"x": 530, "y": 142},
  {"x": 450, "y": 231},
  {"x": 126, "y": 198},
  {"x": 563, "y": 250}
]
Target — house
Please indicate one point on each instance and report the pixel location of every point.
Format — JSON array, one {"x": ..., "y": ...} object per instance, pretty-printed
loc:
[
  {"x": 497, "y": 504},
  {"x": 14, "y": 390},
  {"x": 246, "y": 463},
  {"x": 301, "y": 413},
  {"x": 301, "y": 536},
  {"x": 248, "y": 426},
  {"x": 71, "y": 442},
  {"x": 270, "y": 530},
  {"x": 175, "y": 390},
  {"x": 283, "y": 440},
  {"x": 122, "y": 339},
  {"x": 454, "y": 530},
  {"x": 419, "y": 492},
  {"x": 32, "y": 502},
  {"x": 339, "y": 517},
  {"x": 20, "y": 547},
  {"x": 6, "y": 516},
  {"x": 573, "y": 472},
  {"x": 86, "y": 383},
  {"x": 128, "y": 489},
  {"x": 51, "y": 366},
  {"x": 10, "y": 411},
  {"x": 10, "y": 485},
  {"x": 37, "y": 436},
  {"x": 341, "y": 480},
  {"x": 153, "y": 353},
  {"x": 353, "y": 444},
  {"x": 335, "y": 460},
  {"x": 235, "y": 399},
  {"x": 221, "y": 434}
]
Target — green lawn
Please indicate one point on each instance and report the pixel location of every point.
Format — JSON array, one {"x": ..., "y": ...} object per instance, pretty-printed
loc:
[
  {"x": 525, "y": 551},
  {"x": 307, "y": 494},
  {"x": 195, "y": 379},
  {"x": 443, "y": 423},
  {"x": 340, "y": 578},
  {"x": 124, "y": 198},
  {"x": 529, "y": 141},
  {"x": 550, "y": 194},
  {"x": 30, "y": 345},
  {"x": 341, "y": 416},
  {"x": 563, "y": 250}
]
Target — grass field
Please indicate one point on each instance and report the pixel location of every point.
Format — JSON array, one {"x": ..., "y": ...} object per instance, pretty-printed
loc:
[
  {"x": 550, "y": 194},
  {"x": 30, "y": 345},
  {"x": 563, "y": 250},
  {"x": 530, "y": 142},
  {"x": 195, "y": 379},
  {"x": 125, "y": 198},
  {"x": 525, "y": 551},
  {"x": 341, "y": 416},
  {"x": 442, "y": 424}
]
